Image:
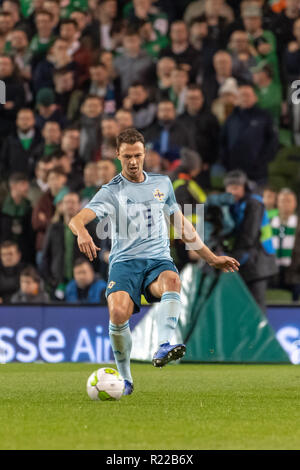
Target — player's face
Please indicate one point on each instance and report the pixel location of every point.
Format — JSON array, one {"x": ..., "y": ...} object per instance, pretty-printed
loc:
[{"x": 132, "y": 158}]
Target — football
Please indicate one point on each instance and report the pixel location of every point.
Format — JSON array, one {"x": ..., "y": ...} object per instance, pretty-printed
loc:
[{"x": 105, "y": 384}]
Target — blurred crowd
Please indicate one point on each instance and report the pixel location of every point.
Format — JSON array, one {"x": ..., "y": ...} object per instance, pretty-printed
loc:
[{"x": 211, "y": 84}]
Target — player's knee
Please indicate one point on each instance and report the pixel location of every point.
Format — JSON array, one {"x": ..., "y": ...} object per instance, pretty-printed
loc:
[
  {"x": 172, "y": 282},
  {"x": 118, "y": 315}
]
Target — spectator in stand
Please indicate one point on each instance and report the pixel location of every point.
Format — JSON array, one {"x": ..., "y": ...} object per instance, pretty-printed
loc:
[
  {"x": 145, "y": 10},
  {"x": 6, "y": 25},
  {"x": 167, "y": 135},
  {"x": 31, "y": 288},
  {"x": 263, "y": 41},
  {"x": 223, "y": 106},
  {"x": 15, "y": 216},
  {"x": 283, "y": 23},
  {"x": 101, "y": 85},
  {"x": 198, "y": 7},
  {"x": 67, "y": 97},
  {"x": 10, "y": 268},
  {"x": 268, "y": 91},
  {"x": 109, "y": 128},
  {"x": 292, "y": 55},
  {"x": 109, "y": 133},
  {"x": 90, "y": 135},
  {"x": 56, "y": 59},
  {"x": 107, "y": 15},
  {"x": 108, "y": 152},
  {"x": 13, "y": 8},
  {"x": 90, "y": 180},
  {"x": 72, "y": 169},
  {"x": 88, "y": 29},
  {"x": 124, "y": 119},
  {"x": 270, "y": 196},
  {"x": 285, "y": 228},
  {"x": 216, "y": 21},
  {"x": 134, "y": 64},
  {"x": 43, "y": 40},
  {"x": 138, "y": 103},
  {"x": 152, "y": 40},
  {"x": 19, "y": 50},
  {"x": 69, "y": 31},
  {"x": 18, "y": 152},
  {"x": 14, "y": 95},
  {"x": 180, "y": 49},
  {"x": 45, "y": 208},
  {"x": 203, "y": 44},
  {"x": 252, "y": 245},
  {"x": 242, "y": 55},
  {"x": 188, "y": 194},
  {"x": 106, "y": 171},
  {"x": 153, "y": 162},
  {"x": 164, "y": 69},
  {"x": 86, "y": 287},
  {"x": 54, "y": 8},
  {"x": 178, "y": 89},
  {"x": 52, "y": 136},
  {"x": 222, "y": 63},
  {"x": 48, "y": 109},
  {"x": 203, "y": 125},
  {"x": 70, "y": 142},
  {"x": 60, "y": 249},
  {"x": 107, "y": 58},
  {"x": 249, "y": 140},
  {"x": 39, "y": 185}
]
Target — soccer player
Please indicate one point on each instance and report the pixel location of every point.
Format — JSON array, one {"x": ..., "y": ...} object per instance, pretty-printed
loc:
[{"x": 137, "y": 204}]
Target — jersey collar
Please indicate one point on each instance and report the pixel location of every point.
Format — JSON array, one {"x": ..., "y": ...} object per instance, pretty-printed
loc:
[{"x": 131, "y": 182}]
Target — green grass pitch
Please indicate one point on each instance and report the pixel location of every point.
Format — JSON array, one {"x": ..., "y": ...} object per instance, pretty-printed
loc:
[{"x": 45, "y": 406}]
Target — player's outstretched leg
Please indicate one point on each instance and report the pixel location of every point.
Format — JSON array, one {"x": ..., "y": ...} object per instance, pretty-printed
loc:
[
  {"x": 167, "y": 318},
  {"x": 121, "y": 341}
]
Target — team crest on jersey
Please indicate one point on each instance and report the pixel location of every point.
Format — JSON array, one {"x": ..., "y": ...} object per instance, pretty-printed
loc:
[
  {"x": 111, "y": 284},
  {"x": 158, "y": 195}
]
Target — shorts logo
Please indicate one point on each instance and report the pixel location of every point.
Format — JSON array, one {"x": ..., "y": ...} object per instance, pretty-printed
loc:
[
  {"x": 158, "y": 195},
  {"x": 111, "y": 284}
]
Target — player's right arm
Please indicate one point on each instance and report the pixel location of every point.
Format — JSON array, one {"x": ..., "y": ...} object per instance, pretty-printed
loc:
[{"x": 85, "y": 242}]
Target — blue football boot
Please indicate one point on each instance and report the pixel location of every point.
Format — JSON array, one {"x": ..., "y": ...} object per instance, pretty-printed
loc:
[
  {"x": 128, "y": 390},
  {"x": 168, "y": 352}
]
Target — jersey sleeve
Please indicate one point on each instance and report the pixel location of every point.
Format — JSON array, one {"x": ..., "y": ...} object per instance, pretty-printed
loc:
[
  {"x": 171, "y": 205},
  {"x": 103, "y": 203}
]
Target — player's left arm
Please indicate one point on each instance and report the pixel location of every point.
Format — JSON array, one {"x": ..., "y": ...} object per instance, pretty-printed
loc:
[{"x": 191, "y": 238}]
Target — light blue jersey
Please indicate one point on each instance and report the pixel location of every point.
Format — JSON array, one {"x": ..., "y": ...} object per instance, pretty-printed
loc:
[{"x": 138, "y": 213}]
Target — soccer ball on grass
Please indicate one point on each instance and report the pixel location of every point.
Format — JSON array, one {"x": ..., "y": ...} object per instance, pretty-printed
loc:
[{"x": 105, "y": 384}]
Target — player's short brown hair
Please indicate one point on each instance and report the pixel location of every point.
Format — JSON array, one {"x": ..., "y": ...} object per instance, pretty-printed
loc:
[{"x": 129, "y": 136}]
